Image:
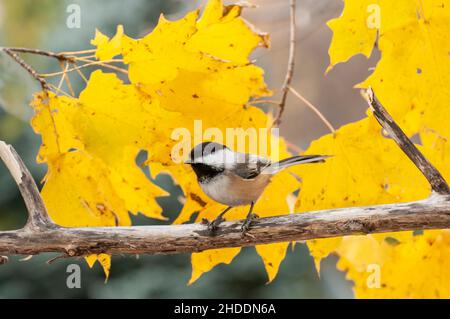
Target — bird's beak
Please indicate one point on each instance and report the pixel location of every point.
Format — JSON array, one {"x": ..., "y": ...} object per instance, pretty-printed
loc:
[{"x": 188, "y": 162}]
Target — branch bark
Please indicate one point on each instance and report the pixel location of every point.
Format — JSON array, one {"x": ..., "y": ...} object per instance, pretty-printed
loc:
[
  {"x": 431, "y": 213},
  {"x": 437, "y": 182}
]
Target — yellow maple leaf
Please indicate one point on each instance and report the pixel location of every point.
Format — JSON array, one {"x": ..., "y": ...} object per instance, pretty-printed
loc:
[
  {"x": 366, "y": 169},
  {"x": 179, "y": 73},
  {"x": 410, "y": 82},
  {"x": 106, "y": 48},
  {"x": 351, "y": 35},
  {"x": 414, "y": 267}
]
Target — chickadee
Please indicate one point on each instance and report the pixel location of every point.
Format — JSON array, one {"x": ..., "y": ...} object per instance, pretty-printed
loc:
[{"x": 236, "y": 179}]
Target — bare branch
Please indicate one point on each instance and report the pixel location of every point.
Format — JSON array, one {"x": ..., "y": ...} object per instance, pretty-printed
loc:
[
  {"x": 28, "y": 68},
  {"x": 38, "y": 217},
  {"x": 431, "y": 213},
  {"x": 314, "y": 109},
  {"x": 290, "y": 68},
  {"x": 88, "y": 64},
  {"x": 70, "y": 57},
  {"x": 437, "y": 182},
  {"x": 59, "y": 56}
]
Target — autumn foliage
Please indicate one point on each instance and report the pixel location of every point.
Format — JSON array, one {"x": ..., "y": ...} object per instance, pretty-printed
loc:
[{"x": 186, "y": 70}]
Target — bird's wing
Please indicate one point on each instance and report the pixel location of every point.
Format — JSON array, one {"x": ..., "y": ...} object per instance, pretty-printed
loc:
[{"x": 249, "y": 166}]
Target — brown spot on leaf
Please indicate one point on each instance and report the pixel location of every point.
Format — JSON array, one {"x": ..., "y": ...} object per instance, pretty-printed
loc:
[{"x": 198, "y": 199}]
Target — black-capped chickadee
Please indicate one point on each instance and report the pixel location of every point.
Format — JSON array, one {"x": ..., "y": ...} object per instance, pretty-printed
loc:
[{"x": 236, "y": 179}]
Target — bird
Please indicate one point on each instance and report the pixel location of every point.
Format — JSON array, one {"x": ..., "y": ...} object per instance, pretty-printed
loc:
[{"x": 237, "y": 179}]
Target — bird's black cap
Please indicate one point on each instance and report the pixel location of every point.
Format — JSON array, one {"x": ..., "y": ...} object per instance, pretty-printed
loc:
[{"x": 204, "y": 149}]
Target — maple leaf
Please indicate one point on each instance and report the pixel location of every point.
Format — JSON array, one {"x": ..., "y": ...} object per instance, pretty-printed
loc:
[
  {"x": 368, "y": 168},
  {"x": 178, "y": 74},
  {"x": 184, "y": 70}
]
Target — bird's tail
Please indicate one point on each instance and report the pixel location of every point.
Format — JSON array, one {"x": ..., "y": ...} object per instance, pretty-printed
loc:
[{"x": 295, "y": 160}]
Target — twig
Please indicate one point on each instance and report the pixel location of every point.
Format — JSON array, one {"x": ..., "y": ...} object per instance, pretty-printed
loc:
[
  {"x": 59, "y": 56},
  {"x": 61, "y": 81},
  {"x": 437, "y": 182},
  {"x": 28, "y": 68},
  {"x": 314, "y": 109},
  {"x": 81, "y": 74},
  {"x": 60, "y": 91},
  {"x": 293, "y": 147},
  {"x": 38, "y": 217},
  {"x": 66, "y": 77},
  {"x": 78, "y": 52},
  {"x": 70, "y": 57},
  {"x": 91, "y": 63},
  {"x": 264, "y": 102},
  {"x": 290, "y": 68}
]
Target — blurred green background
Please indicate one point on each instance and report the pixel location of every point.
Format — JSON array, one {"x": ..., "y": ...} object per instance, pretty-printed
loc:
[{"x": 42, "y": 24}]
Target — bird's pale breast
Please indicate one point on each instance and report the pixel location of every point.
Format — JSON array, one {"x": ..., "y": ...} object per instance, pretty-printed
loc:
[{"x": 233, "y": 190}]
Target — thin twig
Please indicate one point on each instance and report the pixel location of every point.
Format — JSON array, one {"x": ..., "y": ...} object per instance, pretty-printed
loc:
[
  {"x": 290, "y": 68},
  {"x": 105, "y": 64},
  {"x": 69, "y": 56},
  {"x": 78, "y": 52},
  {"x": 28, "y": 68},
  {"x": 264, "y": 102},
  {"x": 91, "y": 63},
  {"x": 61, "y": 81},
  {"x": 91, "y": 56},
  {"x": 66, "y": 77},
  {"x": 84, "y": 59},
  {"x": 81, "y": 74},
  {"x": 314, "y": 109},
  {"x": 58, "y": 90},
  {"x": 434, "y": 177},
  {"x": 59, "y": 56},
  {"x": 294, "y": 147}
]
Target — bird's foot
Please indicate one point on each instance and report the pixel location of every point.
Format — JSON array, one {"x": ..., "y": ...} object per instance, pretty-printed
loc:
[
  {"x": 247, "y": 223},
  {"x": 214, "y": 224}
]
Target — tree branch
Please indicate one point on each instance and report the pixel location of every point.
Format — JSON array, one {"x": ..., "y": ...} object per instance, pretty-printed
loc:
[
  {"x": 28, "y": 68},
  {"x": 313, "y": 108},
  {"x": 59, "y": 56},
  {"x": 437, "y": 182},
  {"x": 38, "y": 218},
  {"x": 431, "y": 213},
  {"x": 290, "y": 67}
]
